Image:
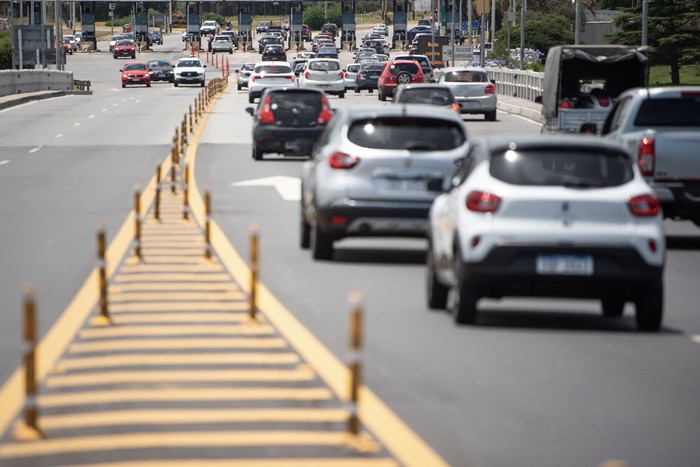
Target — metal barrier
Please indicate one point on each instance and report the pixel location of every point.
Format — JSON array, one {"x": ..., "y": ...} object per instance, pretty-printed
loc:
[
  {"x": 524, "y": 84},
  {"x": 82, "y": 85}
]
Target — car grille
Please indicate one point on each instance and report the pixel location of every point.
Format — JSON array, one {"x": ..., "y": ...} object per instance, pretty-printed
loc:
[{"x": 188, "y": 74}]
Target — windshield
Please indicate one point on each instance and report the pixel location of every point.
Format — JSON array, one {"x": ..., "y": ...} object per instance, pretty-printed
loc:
[
  {"x": 189, "y": 63},
  {"x": 135, "y": 66},
  {"x": 276, "y": 69},
  {"x": 466, "y": 77},
  {"x": 324, "y": 66}
]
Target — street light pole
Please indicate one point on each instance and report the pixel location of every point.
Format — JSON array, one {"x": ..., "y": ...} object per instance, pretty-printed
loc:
[
  {"x": 523, "y": 8},
  {"x": 578, "y": 21},
  {"x": 645, "y": 22}
]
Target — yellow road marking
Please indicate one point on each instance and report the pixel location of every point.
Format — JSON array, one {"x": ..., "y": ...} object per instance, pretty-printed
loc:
[
  {"x": 173, "y": 440},
  {"x": 151, "y": 252},
  {"x": 189, "y": 263},
  {"x": 116, "y": 296},
  {"x": 291, "y": 462},
  {"x": 159, "y": 417},
  {"x": 147, "y": 360},
  {"x": 178, "y": 344},
  {"x": 127, "y": 318},
  {"x": 166, "y": 394},
  {"x": 198, "y": 286},
  {"x": 301, "y": 373},
  {"x": 177, "y": 330},
  {"x": 148, "y": 278},
  {"x": 199, "y": 306}
]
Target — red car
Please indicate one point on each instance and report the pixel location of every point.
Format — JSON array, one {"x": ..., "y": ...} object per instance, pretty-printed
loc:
[
  {"x": 67, "y": 46},
  {"x": 398, "y": 72},
  {"x": 135, "y": 73},
  {"x": 124, "y": 49}
]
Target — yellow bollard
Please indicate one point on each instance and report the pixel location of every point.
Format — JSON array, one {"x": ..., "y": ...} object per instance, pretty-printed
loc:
[
  {"x": 207, "y": 224},
  {"x": 186, "y": 196},
  {"x": 355, "y": 365},
  {"x": 102, "y": 264},
  {"x": 31, "y": 408},
  {"x": 156, "y": 203},
  {"x": 254, "y": 270},
  {"x": 137, "y": 224}
]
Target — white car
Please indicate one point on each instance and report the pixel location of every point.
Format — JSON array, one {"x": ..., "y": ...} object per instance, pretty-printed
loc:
[
  {"x": 267, "y": 75},
  {"x": 189, "y": 70},
  {"x": 381, "y": 29},
  {"x": 325, "y": 74},
  {"x": 350, "y": 73},
  {"x": 114, "y": 39},
  {"x": 222, "y": 43},
  {"x": 548, "y": 217}
]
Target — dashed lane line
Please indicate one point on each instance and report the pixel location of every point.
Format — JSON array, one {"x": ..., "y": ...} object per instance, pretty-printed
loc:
[
  {"x": 696, "y": 339},
  {"x": 4, "y": 162},
  {"x": 292, "y": 462},
  {"x": 35, "y": 150}
]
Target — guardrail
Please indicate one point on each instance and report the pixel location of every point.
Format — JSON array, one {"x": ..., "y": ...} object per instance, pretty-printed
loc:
[
  {"x": 23, "y": 81},
  {"x": 525, "y": 84}
]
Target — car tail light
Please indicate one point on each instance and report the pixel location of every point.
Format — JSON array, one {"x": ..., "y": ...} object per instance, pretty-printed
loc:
[
  {"x": 455, "y": 107},
  {"x": 652, "y": 245},
  {"x": 342, "y": 161},
  {"x": 338, "y": 220},
  {"x": 481, "y": 201},
  {"x": 490, "y": 89},
  {"x": 306, "y": 75},
  {"x": 325, "y": 114},
  {"x": 646, "y": 158},
  {"x": 252, "y": 78},
  {"x": 266, "y": 116},
  {"x": 340, "y": 75},
  {"x": 644, "y": 206},
  {"x": 291, "y": 77},
  {"x": 359, "y": 75},
  {"x": 476, "y": 239}
]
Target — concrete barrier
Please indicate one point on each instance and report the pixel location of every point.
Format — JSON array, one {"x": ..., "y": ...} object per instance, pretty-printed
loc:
[{"x": 24, "y": 81}]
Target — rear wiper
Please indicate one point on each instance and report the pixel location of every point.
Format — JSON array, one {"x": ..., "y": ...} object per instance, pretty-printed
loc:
[
  {"x": 581, "y": 184},
  {"x": 421, "y": 146}
]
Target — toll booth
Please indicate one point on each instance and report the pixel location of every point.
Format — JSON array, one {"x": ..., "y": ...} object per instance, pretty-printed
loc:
[
  {"x": 245, "y": 27},
  {"x": 87, "y": 15},
  {"x": 348, "y": 35},
  {"x": 193, "y": 36},
  {"x": 141, "y": 24},
  {"x": 400, "y": 23},
  {"x": 295, "y": 25}
]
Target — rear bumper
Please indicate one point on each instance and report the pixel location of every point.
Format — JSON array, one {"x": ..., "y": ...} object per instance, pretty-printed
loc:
[
  {"x": 511, "y": 271},
  {"x": 476, "y": 105},
  {"x": 286, "y": 140},
  {"x": 678, "y": 200},
  {"x": 366, "y": 84},
  {"x": 374, "y": 218}
]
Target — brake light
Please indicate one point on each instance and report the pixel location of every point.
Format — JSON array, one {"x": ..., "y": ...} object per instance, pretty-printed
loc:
[
  {"x": 359, "y": 75},
  {"x": 252, "y": 78},
  {"x": 644, "y": 206},
  {"x": 266, "y": 116},
  {"x": 325, "y": 114},
  {"x": 291, "y": 77},
  {"x": 340, "y": 75},
  {"x": 490, "y": 89},
  {"x": 306, "y": 75},
  {"x": 455, "y": 107},
  {"x": 346, "y": 74},
  {"x": 342, "y": 161},
  {"x": 481, "y": 201},
  {"x": 646, "y": 157}
]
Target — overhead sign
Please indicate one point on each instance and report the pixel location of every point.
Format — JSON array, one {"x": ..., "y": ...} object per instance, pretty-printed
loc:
[
  {"x": 463, "y": 53},
  {"x": 433, "y": 49}
]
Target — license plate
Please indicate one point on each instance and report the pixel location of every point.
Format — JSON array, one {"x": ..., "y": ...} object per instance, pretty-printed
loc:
[
  {"x": 565, "y": 265},
  {"x": 470, "y": 104},
  {"x": 291, "y": 146},
  {"x": 406, "y": 185}
]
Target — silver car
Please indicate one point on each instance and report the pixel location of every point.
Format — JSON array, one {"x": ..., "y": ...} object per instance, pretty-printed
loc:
[
  {"x": 376, "y": 171},
  {"x": 222, "y": 43},
  {"x": 350, "y": 73},
  {"x": 474, "y": 92},
  {"x": 243, "y": 75}
]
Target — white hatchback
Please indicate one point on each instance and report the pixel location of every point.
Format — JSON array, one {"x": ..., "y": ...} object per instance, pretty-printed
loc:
[
  {"x": 268, "y": 75},
  {"x": 548, "y": 217},
  {"x": 325, "y": 74}
]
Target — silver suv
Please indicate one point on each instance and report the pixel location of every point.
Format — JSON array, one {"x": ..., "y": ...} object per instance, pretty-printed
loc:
[{"x": 375, "y": 172}]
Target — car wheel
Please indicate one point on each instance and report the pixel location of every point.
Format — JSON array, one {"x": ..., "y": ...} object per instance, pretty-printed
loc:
[
  {"x": 342, "y": 95},
  {"x": 115, "y": 57},
  {"x": 251, "y": 99},
  {"x": 466, "y": 295},
  {"x": 490, "y": 116},
  {"x": 382, "y": 97},
  {"x": 304, "y": 230},
  {"x": 238, "y": 86},
  {"x": 613, "y": 305},
  {"x": 649, "y": 305},
  {"x": 696, "y": 221},
  {"x": 148, "y": 85},
  {"x": 357, "y": 90},
  {"x": 257, "y": 154},
  {"x": 371, "y": 91},
  {"x": 436, "y": 292},
  {"x": 123, "y": 85},
  {"x": 175, "y": 83},
  {"x": 321, "y": 244},
  {"x": 133, "y": 56},
  {"x": 201, "y": 85},
  {"x": 403, "y": 78}
]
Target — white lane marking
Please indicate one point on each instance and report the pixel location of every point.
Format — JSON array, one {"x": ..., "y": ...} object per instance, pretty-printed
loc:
[
  {"x": 115, "y": 105},
  {"x": 696, "y": 339},
  {"x": 91, "y": 116},
  {"x": 289, "y": 188},
  {"x": 60, "y": 135},
  {"x": 77, "y": 124},
  {"x": 32, "y": 151},
  {"x": 4, "y": 162},
  {"x": 104, "y": 110}
]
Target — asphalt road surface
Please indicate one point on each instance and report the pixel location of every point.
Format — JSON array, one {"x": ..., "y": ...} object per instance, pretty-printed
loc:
[{"x": 534, "y": 383}]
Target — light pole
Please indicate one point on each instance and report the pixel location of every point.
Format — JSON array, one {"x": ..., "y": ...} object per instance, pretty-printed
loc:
[
  {"x": 645, "y": 22},
  {"x": 578, "y": 21},
  {"x": 523, "y": 8}
]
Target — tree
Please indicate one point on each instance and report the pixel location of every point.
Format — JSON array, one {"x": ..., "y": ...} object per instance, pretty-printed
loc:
[
  {"x": 5, "y": 50},
  {"x": 314, "y": 15},
  {"x": 542, "y": 31},
  {"x": 673, "y": 32}
]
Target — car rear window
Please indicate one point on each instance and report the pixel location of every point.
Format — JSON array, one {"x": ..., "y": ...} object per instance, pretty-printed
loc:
[
  {"x": 562, "y": 167},
  {"x": 426, "y": 96},
  {"x": 416, "y": 133},
  {"x": 273, "y": 69},
  {"x": 372, "y": 67},
  {"x": 396, "y": 68},
  {"x": 324, "y": 66},
  {"x": 294, "y": 104},
  {"x": 353, "y": 68},
  {"x": 465, "y": 77},
  {"x": 683, "y": 111}
]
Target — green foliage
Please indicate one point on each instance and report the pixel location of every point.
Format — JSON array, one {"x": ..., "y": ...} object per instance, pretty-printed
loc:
[
  {"x": 5, "y": 50},
  {"x": 542, "y": 31},
  {"x": 211, "y": 16},
  {"x": 314, "y": 15}
]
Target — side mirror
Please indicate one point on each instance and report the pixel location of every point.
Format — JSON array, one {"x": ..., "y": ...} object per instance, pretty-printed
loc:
[
  {"x": 250, "y": 110},
  {"x": 493, "y": 81}
]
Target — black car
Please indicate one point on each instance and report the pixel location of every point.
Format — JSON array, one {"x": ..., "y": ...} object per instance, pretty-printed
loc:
[
  {"x": 232, "y": 35},
  {"x": 330, "y": 28},
  {"x": 279, "y": 29},
  {"x": 368, "y": 76},
  {"x": 289, "y": 120},
  {"x": 418, "y": 29},
  {"x": 156, "y": 37},
  {"x": 274, "y": 53},
  {"x": 263, "y": 26},
  {"x": 267, "y": 40},
  {"x": 161, "y": 70}
]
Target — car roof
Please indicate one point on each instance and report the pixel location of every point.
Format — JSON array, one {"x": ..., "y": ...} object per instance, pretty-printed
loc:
[
  {"x": 464, "y": 68},
  {"x": 413, "y": 110},
  {"x": 525, "y": 141}
]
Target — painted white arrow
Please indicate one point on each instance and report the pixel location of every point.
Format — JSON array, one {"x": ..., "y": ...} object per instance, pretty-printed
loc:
[{"x": 289, "y": 188}]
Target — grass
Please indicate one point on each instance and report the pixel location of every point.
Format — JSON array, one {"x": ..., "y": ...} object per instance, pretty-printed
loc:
[{"x": 661, "y": 75}]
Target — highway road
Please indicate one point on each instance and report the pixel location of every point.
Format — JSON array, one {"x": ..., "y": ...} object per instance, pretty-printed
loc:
[{"x": 534, "y": 383}]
